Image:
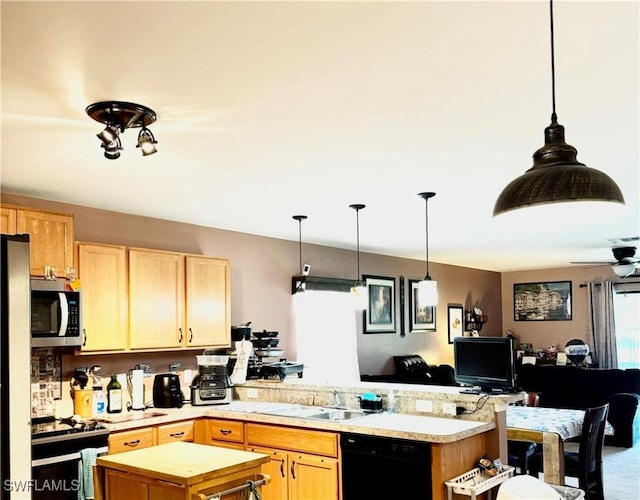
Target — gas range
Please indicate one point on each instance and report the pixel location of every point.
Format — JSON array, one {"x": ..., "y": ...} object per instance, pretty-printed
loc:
[{"x": 50, "y": 429}]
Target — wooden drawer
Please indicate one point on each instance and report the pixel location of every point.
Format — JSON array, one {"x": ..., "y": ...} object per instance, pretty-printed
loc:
[
  {"x": 303, "y": 440},
  {"x": 180, "y": 431},
  {"x": 224, "y": 430},
  {"x": 130, "y": 440}
]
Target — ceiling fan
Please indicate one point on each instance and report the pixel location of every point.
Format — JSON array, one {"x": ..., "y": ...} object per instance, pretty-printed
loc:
[{"x": 625, "y": 263}]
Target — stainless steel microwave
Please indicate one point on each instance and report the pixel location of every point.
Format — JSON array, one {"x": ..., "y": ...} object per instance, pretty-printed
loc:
[{"x": 55, "y": 315}]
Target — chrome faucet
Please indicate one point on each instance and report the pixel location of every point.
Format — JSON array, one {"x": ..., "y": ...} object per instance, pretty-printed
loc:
[{"x": 336, "y": 399}]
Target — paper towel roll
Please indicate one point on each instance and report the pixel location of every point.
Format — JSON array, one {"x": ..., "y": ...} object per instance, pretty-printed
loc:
[{"x": 137, "y": 389}]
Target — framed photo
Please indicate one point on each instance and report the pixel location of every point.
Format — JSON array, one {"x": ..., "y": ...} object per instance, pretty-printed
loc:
[
  {"x": 421, "y": 318},
  {"x": 544, "y": 301},
  {"x": 380, "y": 314},
  {"x": 454, "y": 321}
]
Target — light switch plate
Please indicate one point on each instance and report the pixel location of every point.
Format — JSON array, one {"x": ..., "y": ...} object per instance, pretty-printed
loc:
[
  {"x": 252, "y": 393},
  {"x": 424, "y": 405}
]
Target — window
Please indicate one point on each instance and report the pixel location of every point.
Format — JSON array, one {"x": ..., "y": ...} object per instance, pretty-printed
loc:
[
  {"x": 626, "y": 308},
  {"x": 326, "y": 335}
]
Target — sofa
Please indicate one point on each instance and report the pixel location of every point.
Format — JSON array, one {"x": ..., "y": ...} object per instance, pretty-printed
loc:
[
  {"x": 413, "y": 369},
  {"x": 580, "y": 388}
]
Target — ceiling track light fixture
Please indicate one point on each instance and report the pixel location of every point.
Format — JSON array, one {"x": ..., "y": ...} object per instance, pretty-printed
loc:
[
  {"x": 556, "y": 175},
  {"x": 359, "y": 288},
  {"x": 301, "y": 286},
  {"x": 119, "y": 116},
  {"x": 427, "y": 288}
]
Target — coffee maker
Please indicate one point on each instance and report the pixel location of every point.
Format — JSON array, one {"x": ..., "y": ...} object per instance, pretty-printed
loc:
[{"x": 212, "y": 385}]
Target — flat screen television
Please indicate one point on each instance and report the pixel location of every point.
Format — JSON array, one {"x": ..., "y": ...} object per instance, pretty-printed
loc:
[{"x": 486, "y": 363}]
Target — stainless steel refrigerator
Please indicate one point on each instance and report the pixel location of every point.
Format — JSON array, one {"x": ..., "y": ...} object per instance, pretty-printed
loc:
[{"x": 15, "y": 369}]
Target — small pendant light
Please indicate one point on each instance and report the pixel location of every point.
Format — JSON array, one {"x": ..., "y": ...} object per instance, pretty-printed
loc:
[
  {"x": 427, "y": 288},
  {"x": 359, "y": 288},
  {"x": 556, "y": 175}
]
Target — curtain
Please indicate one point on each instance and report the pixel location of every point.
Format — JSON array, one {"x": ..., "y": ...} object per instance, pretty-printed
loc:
[
  {"x": 603, "y": 328},
  {"x": 327, "y": 336}
]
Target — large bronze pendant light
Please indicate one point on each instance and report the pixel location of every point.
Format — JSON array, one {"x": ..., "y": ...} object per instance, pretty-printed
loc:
[{"x": 556, "y": 175}]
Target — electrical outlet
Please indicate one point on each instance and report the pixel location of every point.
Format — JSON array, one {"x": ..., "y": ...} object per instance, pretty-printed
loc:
[
  {"x": 252, "y": 393},
  {"x": 424, "y": 405},
  {"x": 449, "y": 409}
]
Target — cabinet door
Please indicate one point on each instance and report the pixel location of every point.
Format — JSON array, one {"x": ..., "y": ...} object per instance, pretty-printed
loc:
[
  {"x": 7, "y": 220},
  {"x": 207, "y": 302},
  {"x": 156, "y": 299},
  {"x": 313, "y": 477},
  {"x": 102, "y": 270},
  {"x": 278, "y": 469},
  {"x": 51, "y": 240}
]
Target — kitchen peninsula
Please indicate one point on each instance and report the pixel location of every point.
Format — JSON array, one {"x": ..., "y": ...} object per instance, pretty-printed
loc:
[{"x": 257, "y": 413}]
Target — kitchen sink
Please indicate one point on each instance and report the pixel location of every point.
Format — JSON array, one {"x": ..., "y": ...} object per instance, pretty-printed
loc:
[
  {"x": 317, "y": 413},
  {"x": 338, "y": 415}
]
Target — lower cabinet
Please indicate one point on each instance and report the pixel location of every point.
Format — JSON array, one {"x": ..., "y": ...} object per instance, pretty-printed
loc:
[
  {"x": 299, "y": 476},
  {"x": 219, "y": 432},
  {"x": 131, "y": 440},
  {"x": 304, "y": 463},
  {"x": 145, "y": 437}
]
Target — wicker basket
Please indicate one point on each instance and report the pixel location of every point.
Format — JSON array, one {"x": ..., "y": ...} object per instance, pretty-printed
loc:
[{"x": 476, "y": 481}]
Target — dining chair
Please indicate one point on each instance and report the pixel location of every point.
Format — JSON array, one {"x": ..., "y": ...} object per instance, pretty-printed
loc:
[
  {"x": 520, "y": 452},
  {"x": 586, "y": 464}
]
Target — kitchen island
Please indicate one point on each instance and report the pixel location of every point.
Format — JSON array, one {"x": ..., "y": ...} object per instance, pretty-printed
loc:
[{"x": 176, "y": 471}]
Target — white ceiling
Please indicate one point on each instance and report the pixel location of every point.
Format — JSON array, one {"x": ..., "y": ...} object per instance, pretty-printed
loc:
[{"x": 270, "y": 109}]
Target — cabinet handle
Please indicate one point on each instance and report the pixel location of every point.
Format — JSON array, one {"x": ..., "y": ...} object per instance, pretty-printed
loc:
[
  {"x": 225, "y": 432},
  {"x": 293, "y": 471},
  {"x": 84, "y": 333},
  {"x": 177, "y": 434},
  {"x": 282, "y": 467},
  {"x": 190, "y": 335},
  {"x": 132, "y": 443},
  {"x": 180, "y": 339}
]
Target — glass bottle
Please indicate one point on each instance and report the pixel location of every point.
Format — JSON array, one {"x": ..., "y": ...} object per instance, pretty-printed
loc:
[{"x": 114, "y": 395}]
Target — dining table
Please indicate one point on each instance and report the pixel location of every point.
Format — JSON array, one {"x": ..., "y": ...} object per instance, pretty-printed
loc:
[{"x": 551, "y": 427}]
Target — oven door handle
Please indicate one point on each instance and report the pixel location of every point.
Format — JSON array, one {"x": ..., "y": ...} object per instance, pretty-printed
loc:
[{"x": 63, "y": 458}]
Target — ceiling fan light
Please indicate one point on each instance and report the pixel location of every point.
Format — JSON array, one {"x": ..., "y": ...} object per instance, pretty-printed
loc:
[
  {"x": 112, "y": 150},
  {"x": 624, "y": 270},
  {"x": 146, "y": 142},
  {"x": 428, "y": 292}
]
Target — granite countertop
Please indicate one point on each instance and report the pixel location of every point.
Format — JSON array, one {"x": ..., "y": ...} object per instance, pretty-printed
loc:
[{"x": 413, "y": 427}]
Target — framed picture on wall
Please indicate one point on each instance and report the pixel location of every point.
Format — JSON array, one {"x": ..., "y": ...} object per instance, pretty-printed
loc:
[
  {"x": 543, "y": 301},
  {"x": 455, "y": 324},
  {"x": 421, "y": 318},
  {"x": 380, "y": 313}
]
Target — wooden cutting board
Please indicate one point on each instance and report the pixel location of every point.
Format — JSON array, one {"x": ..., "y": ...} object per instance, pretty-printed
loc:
[{"x": 183, "y": 463}]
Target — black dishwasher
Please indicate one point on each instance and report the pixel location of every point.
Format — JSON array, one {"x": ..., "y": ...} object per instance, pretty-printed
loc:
[{"x": 383, "y": 467}]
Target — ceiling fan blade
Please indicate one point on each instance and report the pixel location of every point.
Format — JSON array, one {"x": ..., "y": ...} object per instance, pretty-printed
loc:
[{"x": 600, "y": 262}]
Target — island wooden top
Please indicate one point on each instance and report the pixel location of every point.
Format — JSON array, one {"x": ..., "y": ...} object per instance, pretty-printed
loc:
[{"x": 182, "y": 462}]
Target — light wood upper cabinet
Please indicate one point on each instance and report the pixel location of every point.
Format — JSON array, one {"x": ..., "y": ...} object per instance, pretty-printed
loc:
[
  {"x": 156, "y": 299},
  {"x": 207, "y": 302},
  {"x": 102, "y": 270},
  {"x": 7, "y": 220},
  {"x": 51, "y": 237}
]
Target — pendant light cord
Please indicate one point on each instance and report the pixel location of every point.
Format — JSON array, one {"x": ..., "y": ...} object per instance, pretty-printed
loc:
[
  {"x": 554, "y": 118},
  {"x": 300, "y": 243},
  {"x": 358, "y": 241},
  {"x": 426, "y": 232}
]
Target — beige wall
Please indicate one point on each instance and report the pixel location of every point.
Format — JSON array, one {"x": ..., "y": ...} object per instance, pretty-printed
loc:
[
  {"x": 544, "y": 333},
  {"x": 261, "y": 270}
]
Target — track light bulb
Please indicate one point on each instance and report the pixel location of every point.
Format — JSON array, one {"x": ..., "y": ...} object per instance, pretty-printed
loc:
[
  {"x": 146, "y": 142},
  {"x": 109, "y": 134}
]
